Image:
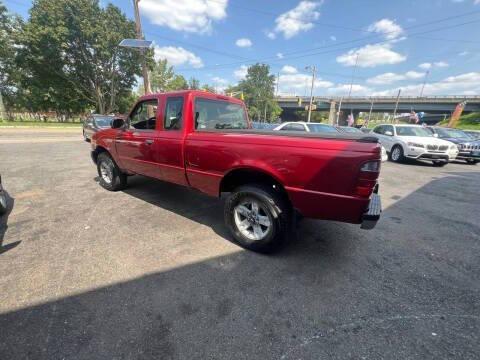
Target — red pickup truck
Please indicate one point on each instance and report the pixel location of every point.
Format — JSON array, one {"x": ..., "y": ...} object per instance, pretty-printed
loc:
[{"x": 204, "y": 141}]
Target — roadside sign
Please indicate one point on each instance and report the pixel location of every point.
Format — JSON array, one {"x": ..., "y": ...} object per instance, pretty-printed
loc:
[
  {"x": 314, "y": 107},
  {"x": 135, "y": 43}
]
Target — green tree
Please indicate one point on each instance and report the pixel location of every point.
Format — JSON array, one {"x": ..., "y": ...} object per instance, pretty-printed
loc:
[
  {"x": 10, "y": 27},
  {"x": 161, "y": 76},
  {"x": 178, "y": 83},
  {"x": 209, "y": 88},
  {"x": 70, "y": 56},
  {"x": 193, "y": 84},
  {"x": 258, "y": 90}
]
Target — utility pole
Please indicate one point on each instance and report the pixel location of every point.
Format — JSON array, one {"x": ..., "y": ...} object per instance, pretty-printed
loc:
[
  {"x": 396, "y": 105},
  {"x": 278, "y": 81},
  {"x": 424, "y": 82},
  {"x": 339, "y": 109},
  {"x": 138, "y": 28},
  {"x": 314, "y": 71}
]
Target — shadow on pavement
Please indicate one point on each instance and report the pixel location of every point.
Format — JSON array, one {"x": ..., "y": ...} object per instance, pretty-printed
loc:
[
  {"x": 408, "y": 289},
  {"x": 4, "y": 226}
]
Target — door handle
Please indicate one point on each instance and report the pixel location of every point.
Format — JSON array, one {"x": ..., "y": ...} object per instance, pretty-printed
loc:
[{"x": 149, "y": 141}]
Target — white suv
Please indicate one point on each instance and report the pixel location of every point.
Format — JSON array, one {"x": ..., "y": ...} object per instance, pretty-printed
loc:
[{"x": 414, "y": 142}]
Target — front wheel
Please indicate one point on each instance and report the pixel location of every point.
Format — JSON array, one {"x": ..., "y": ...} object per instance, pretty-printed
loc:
[
  {"x": 111, "y": 177},
  {"x": 258, "y": 217},
  {"x": 396, "y": 155},
  {"x": 439, "y": 163}
]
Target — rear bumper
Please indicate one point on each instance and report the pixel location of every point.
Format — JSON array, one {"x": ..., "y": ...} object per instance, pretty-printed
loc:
[
  {"x": 372, "y": 215},
  {"x": 475, "y": 155}
]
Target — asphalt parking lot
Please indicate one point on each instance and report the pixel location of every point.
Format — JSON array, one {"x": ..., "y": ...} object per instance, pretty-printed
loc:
[{"x": 149, "y": 273}]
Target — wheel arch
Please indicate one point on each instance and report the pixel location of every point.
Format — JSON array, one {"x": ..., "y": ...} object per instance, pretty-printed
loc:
[{"x": 98, "y": 150}]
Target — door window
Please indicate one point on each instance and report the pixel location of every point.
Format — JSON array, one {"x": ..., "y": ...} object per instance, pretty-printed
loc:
[
  {"x": 379, "y": 130},
  {"x": 173, "y": 114},
  {"x": 389, "y": 128},
  {"x": 293, "y": 127},
  {"x": 144, "y": 116}
]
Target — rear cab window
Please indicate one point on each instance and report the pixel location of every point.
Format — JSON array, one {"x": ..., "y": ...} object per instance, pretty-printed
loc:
[{"x": 213, "y": 114}]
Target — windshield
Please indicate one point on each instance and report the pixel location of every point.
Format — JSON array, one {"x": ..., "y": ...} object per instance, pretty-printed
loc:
[
  {"x": 321, "y": 128},
  {"x": 103, "y": 121},
  {"x": 452, "y": 133},
  {"x": 350, "y": 129},
  {"x": 413, "y": 131},
  {"x": 218, "y": 114}
]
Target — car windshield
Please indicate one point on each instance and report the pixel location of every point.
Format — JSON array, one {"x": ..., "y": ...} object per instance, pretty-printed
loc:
[
  {"x": 218, "y": 114},
  {"x": 321, "y": 128},
  {"x": 413, "y": 131},
  {"x": 452, "y": 133},
  {"x": 350, "y": 129},
  {"x": 103, "y": 121}
]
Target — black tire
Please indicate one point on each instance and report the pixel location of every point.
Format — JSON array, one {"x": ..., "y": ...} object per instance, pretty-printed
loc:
[
  {"x": 271, "y": 204},
  {"x": 472, "y": 161},
  {"x": 439, "y": 163},
  {"x": 117, "y": 179},
  {"x": 3, "y": 203},
  {"x": 393, "y": 154}
]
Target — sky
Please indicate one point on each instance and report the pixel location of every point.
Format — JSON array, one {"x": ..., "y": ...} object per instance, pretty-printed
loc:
[{"x": 369, "y": 47}]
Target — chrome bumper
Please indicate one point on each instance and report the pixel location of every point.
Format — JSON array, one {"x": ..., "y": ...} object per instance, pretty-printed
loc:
[{"x": 372, "y": 215}]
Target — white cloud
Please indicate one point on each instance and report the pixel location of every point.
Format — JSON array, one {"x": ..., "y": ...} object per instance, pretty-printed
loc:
[
  {"x": 386, "y": 27},
  {"x": 280, "y": 55},
  {"x": 463, "y": 84},
  {"x": 389, "y": 78},
  {"x": 425, "y": 66},
  {"x": 386, "y": 78},
  {"x": 287, "y": 69},
  {"x": 291, "y": 82},
  {"x": 271, "y": 35},
  {"x": 464, "y": 53},
  {"x": 371, "y": 56},
  {"x": 333, "y": 38},
  {"x": 414, "y": 74},
  {"x": 296, "y": 20},
  {"x": 177, "y": 56},
  {"x": 185, "y": 15},
  {"x": 438, "y": 64},
  {"x": 219, "y": 80},
  {"x": 243, "y": 42},
  {"x": 241, "y": 72},
  {"x": 343, "y": 89}
]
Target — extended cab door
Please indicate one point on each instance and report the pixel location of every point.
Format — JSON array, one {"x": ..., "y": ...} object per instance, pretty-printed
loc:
[
  {"x": 136, "y": 146},
  {"x": 171, "y": 139}
]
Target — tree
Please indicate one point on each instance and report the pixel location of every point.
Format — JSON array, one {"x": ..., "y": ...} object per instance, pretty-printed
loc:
[
  {"x": 209, "y": 88},
  {"x": 178, "y": 83},
  {"x": 70, "y": 56},
  {"x": 194, "y": 84},
  {"x": 10, "y": 27},
  {"x": 258, "y": 90},
  {"x": 161, "y": 76}
]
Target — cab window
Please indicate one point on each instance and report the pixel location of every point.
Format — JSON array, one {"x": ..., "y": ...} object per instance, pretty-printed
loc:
[
  {"x": 173, "y": 114},
  {"x": 144, "y": 116},
  {"x": 379, "y": 130}
]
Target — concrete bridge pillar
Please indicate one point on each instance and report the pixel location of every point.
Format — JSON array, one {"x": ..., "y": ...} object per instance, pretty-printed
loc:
[{"x": 332, "y": 117}]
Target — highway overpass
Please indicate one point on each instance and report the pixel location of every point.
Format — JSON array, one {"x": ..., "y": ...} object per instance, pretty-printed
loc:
[{"x": 384, "y": 104}]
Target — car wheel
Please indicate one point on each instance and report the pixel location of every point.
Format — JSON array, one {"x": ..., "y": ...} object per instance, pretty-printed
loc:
[
  {"x": 111, "y": 177},
  {"x": 258, "y": 217},
  {"x": 3, "y": 203},
  {"x": 472, "y": 161},
  {"x": 396, "y": 155},
  {"x": 439, "y": 163}
]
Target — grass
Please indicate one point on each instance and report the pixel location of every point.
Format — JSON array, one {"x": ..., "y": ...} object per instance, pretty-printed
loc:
[
  {"x": 467, "y": 122},
  {"x": 38, "y": 124}
]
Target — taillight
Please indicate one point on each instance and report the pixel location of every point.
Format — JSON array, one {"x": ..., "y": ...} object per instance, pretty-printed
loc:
[
  {"x": 371, "y": 166},
  {"x": 367, "y": 179}
]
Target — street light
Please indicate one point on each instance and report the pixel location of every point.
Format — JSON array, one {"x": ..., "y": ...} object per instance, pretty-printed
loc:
[{"x": 313, "y": 69}]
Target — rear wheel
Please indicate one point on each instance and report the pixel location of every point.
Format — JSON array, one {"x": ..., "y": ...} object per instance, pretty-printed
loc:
[
  {"x": 258, "y": 217},
  {"x": 111, "y": 177},
  {"x": 396, "y": 155}
]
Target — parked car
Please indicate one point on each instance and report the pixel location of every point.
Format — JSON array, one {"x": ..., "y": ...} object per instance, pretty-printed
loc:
[
  {"x": 351, "y": 129},
  {"x": 95, "y": 122},
  {"x": 3, "y": 199},
  {"x": 263, "y": 125},
  {"x": 306, "y": 127},
  {"x": 414, "y": 142},
  {"x": 473, "y": 133},
  {"x": 204, "y": 141},
  {"x": 469, "y": 148}
]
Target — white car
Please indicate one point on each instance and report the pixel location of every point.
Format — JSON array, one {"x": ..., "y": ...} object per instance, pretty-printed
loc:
[
  {"x": 306, "y": 127},
  {"x": 414, "y": 142}
]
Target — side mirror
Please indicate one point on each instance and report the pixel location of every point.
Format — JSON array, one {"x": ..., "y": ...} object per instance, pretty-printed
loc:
[
  {"x": 388, "y": 133},
  {"x": 435, "y": 135},
  {"x": 118, "y": 123}
]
